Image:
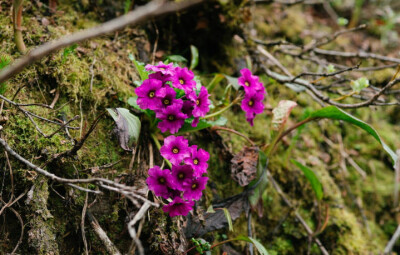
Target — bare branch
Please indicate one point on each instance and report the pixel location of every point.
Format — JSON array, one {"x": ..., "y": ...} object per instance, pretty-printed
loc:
[
  {"x": 298, "y": 216},
  {"x": 151, "y": 10},
  {"x": 111, "y": 248}
]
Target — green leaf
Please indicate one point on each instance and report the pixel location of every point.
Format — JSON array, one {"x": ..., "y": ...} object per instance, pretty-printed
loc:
[
  {"x": 312, "y": 178},
  {"x": 261, "y": 249},
  {"x": 261, "y": 181},
  {"x": 5, "y": 60},
  {"x": 221, "y": 121},
  {"x": 332, "y": 112},
  {"x": 128, "y": 127},
  {"x": 359, "y": 84},
  {"x": 140, "y": 67},
  {"x": 132, "y": 101},
  {"x": 187, "y": 127},
  {"x": 195, "y": 57},
  {"x": 68, "y": 51},
  {"x": 330, "y": 68},
  {"x": 228, "y": 218},
  {"x": 342, "y": 21},
  {"x": 217, "y": 79},
  {"x": 127, "y": 6},
  {"x": 176, "y": 59},
  {"x": 233, "y": 81}
]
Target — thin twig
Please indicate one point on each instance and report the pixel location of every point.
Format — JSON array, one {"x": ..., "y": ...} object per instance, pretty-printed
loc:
[
  {"x": 151, "y": 10},
  {"x": 297, "y": 214},
  {"x": 392, "y": 242},
  {"x": 83, "y": 223},
  {"x": 110, "y": 247}
]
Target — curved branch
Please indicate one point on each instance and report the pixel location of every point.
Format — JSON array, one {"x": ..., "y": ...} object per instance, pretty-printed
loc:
[{"x": 151, "y": 10}]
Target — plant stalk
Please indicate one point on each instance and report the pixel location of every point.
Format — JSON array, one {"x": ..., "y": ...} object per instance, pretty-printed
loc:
[{"x": 17, "y": 22}]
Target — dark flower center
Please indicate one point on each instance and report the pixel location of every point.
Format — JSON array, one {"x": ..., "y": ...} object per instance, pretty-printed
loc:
[
  {"x": 181, "y": 81},
  {"x": 195, "y": 161},
  {"x": 161, "y": 180},
  {"x": 181, "y": 176},
  {"x": 251, "y": 102},
  {"x": 197, "y": 101},
  {"x": 194, "y": 185},
  {"x": 151, "y": 94},
  {"x": 171, "y": 117},
  {"x": 167, "y": 102},
  {"x": 247, "y": 83},
  {"x": 175, "y": 150}
]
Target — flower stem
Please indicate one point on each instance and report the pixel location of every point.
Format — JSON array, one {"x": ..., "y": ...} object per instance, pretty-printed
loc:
[
  {"x": 281, "y": 134},
  {"x": 17, "y": 22},
  {"x": 222, "y": 110},
  {"x": 157, "y": 143},
  {"x": 234, "y": 132}
]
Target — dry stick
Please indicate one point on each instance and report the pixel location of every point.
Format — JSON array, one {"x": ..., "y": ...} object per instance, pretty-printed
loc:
[
  {"x": 140, "y": 14},
  {"x": 12, "y": 202},
  {"x": 331, "y": 38},
  {"x": 28, "y": 113},
  {"x": 392, "y": 241},
  {"x": 11, "y": 175},
  {"x": 298, "y": 216},
  {"x": 286, "y": 71},
  {"x": 396, "y": 180},
  {"x": 319, "y": 95},
  {"x": 61, "y": 127},
  {"x": 92, "y": 74},
  {"x": 110, "y": 247},
  {"x": 356, "y": 55},
  {"x": 117, "y": 187},
  {"x": 326, "y": 74},
  {"x": 83, "y": 224},
  {"x": 79, "y": 144},
  {"x": 131, "y": 226},
  {"x": 22, "y": 230}
]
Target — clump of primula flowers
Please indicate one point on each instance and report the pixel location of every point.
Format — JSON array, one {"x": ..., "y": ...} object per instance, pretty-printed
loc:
[
  {"x": 173, "y": 94},
  {"x": 254, "y": 94},
  {"x": 185, "y": 181}
]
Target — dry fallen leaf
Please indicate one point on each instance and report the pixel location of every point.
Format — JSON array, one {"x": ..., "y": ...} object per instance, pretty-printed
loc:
[{"x": 244, "y": 165}]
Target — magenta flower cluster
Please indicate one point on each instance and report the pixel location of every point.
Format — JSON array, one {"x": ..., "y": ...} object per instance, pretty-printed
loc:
[
  {"x": 159, "y": 93},
  {"x": 185, "y": 181},
  {"x": 254, "y": 95}
]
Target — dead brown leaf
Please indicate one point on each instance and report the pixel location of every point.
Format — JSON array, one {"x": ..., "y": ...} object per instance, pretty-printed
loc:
[{"x": 244, "y": 165}]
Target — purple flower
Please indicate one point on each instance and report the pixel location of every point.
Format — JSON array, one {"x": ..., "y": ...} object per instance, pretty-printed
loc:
[
  {"x": 250, "y": 118},
  {"x": 159, "y": 181},
  {"x": 175, "y": 149},
  {"x": 178, "y": 207},
  {"x": 162, "y": 68},
  {"x": 167, "y": 96},
  {"x": 187, "y": 108},
  {"x": 198, "y": 160},
  {"x": 171, "y": 118},
  {"x": 195, "y": 121},
  {"x": 161, "y": 77},
  {"x": 194, "y": 188},
  {"x": 180, "y": 175},
  {"x": 183, "y": 79},
  {"x": 201, "y": 103},
  {"x": 249, "y": 82},
  {"x": 147, "y": 94},
  {"x": 252, "y": 104}
]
